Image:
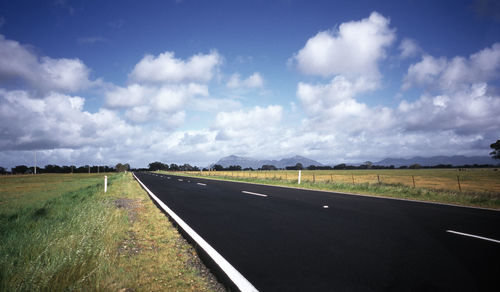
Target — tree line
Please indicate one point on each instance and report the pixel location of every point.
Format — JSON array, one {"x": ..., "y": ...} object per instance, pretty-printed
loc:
[
  {"x": 52, "y": 168},
  {"x": 154, "y": 166}
]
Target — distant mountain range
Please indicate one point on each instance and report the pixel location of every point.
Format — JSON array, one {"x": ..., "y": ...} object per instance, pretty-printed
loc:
[
  {"x": 456, "y": 160},
  {"x": 245, "y": 162}
]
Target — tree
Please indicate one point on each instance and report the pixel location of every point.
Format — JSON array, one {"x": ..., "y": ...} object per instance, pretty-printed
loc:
[
  {"x": 20, "y": 169},
  {"x": 297, "y": 166},
  {"x": 157, "y": 166},
  {"x": 234, "y": 167},
  {"x": 174, "y": 167},
  {"x": 268, "y": 167},
  {"x": 415, "y": 166},
  {"x": 186, "y": 167},
  {"x": 122, "y": 167},
  {"x": 495, "y": 154},
  {"x": 218, "y": 167},
  {"x": 2, "y": 170},
  {"x": 340, "y": 166}
]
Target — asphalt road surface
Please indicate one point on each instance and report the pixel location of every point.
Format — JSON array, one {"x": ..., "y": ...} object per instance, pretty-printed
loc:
[{"x": 283, "y": 239}]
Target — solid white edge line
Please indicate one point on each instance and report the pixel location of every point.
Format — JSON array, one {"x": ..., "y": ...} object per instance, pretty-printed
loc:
[
  {"x": 255, "y": 194},
  {"x": 474, "y": 236},
  {"x": 236, "y": 277}
]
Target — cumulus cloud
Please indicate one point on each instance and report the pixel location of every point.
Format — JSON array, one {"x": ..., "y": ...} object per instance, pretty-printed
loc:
[
  {"x": 332, "y": 107},
  {"x": 255, "y": 128},
  {"x": 457, "y": 73},
  {"x": 469, "y": 111},
  {"x": 409, "y": 48},
  {"x": 19, "y": 64},
  {"x": 253, "y": 81},
  {"x": 165, "y": 68},
  {"x": 55, "y": 121},
  {"x": 455, "y": 113},
  {"x": 151, "y": 103},
  {"x": 355, "y": 48}
]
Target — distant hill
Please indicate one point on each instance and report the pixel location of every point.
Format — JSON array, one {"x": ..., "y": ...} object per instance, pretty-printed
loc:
[
  {"x": 245, "y": 162},
  {"x": 435, "y": 160}
]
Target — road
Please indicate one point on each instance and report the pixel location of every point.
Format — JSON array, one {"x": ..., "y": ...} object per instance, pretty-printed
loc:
[{"x": 284, "y": 239}]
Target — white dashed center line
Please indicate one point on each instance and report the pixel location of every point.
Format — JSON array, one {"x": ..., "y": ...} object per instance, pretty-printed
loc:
[
  {"x": 201, "y": 184},
  {"x": 474, "y": 236},
  {"x": 255, "y": 194},
  {"x": 180, "y": 179},
  {"x": 325, "y": 207}
]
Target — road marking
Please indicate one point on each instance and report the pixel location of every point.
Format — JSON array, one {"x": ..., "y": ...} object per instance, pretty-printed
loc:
[
  {"x": 201, "y": 184},
  {"x": 325, "y": 207},
  {"x": 168, "y": 177},
  {"x": 474, "y": 236},
  {"x": 234, "y": 276},
  {"x": 179, "y": 179},
  {"x": 255, "y": 194}
]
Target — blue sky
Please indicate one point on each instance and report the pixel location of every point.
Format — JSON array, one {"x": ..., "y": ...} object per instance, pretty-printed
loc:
[{"x": 102, "y": 82}]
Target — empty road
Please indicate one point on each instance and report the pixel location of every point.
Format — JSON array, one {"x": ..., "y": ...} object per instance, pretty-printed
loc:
[{"x": 283, "y": 239}]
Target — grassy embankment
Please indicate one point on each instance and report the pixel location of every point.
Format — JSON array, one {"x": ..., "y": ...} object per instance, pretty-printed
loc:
[
  {"x": 478, "y": 187},
  {"x": 61, "y": 232}
]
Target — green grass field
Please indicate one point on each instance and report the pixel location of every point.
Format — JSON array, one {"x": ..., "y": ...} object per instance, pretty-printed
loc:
[
  {"x": 61, "y": 232},
  {"x": 473, "y": 187}
]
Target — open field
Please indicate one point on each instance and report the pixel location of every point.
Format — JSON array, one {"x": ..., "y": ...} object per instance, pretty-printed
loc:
[
  {"x": 61, "y": 232},
  {"x": 474, "y": 187}
]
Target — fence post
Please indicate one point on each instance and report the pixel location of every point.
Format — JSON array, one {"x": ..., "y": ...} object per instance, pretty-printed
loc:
[
  {"x": 458, "y": 180},
  {"x": 331, "y": 178},
  {"x": 314, "y": 178},
  {"x": 378, "y": 178},
  {"x": 413, "y": 178},
  {"x": 299, "y": 176},
  {"x": 105, "y": 183},
  {"x": 352, "y": 175}
]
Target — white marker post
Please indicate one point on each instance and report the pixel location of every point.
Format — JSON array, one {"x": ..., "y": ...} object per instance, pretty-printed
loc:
[
  {"x": 299, "y": 176},
  {"x": 105, "y": 183}
]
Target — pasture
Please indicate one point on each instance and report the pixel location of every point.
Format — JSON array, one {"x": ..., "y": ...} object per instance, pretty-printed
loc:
[
  {"x": 475, "y": 187},
  {"x": 62, "y": 232}
]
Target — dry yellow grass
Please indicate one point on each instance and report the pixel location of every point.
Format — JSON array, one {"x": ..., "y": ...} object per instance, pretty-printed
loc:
[{"x": 472, "y": 180}]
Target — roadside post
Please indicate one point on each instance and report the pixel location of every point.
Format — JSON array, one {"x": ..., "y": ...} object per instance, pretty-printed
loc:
[
  {"x": 105, "y": 183},
  {"x": 299, "y": 176}
]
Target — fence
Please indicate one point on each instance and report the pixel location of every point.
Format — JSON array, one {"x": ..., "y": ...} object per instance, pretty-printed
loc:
[{"x": 481, "y": 180}]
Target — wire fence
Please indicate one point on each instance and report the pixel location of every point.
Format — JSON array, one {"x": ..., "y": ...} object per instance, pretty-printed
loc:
[{"x": 477, "y": 180}]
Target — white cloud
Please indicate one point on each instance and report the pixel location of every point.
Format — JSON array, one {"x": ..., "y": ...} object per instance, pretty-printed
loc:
[
  {"x": 457, "y": 73},
  {"x": 409, "y": 48},
  {"x": 256, "y": 130},
  {"x": 318, "y": 99},
  {"x": 332, "y": 107},
  {"x": 467, "y": 112},
  {"x": 166, "y": 68},
  {"x": 18, "y": 63},
  {"x": 253, "y": 81},
  {"x": 147, "y": 103},
  {"x": 355, "y": 48},
  {"x": 460, "y": 116},
  {"x": 256, "y": 118},
  {"x": 55, "y": 121}
]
